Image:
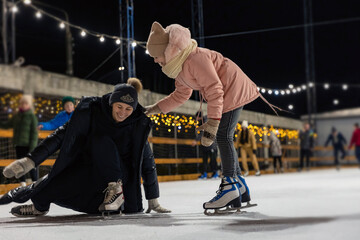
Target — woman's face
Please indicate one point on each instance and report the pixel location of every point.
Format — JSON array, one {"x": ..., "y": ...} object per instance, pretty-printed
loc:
[
  {"x": 69, "y": 107},
  {"x": 160, "y": 60},
  {"x": 121, "y": 111}
]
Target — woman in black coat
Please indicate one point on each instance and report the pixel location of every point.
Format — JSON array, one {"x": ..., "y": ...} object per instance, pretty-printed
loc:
[{"x": 103, "y": 146}]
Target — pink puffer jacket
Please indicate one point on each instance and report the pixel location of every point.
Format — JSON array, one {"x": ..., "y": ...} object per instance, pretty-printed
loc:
[{"x": 220, "y": 81}]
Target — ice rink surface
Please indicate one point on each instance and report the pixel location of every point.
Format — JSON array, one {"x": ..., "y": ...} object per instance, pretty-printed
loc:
[{"x": 323, "y": 204}]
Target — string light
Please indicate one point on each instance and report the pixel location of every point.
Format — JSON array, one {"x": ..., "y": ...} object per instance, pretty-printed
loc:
[
  {"x": 14, "y": 9},
  {"x": 121, "y": 68},
  {"x": 133, "y": 44},
  {"x": 336, "y": 101},
  {"x": 118, "y": 41},
  {"x": 326, "y": 86},
  {"x": 27, "y": 2},
  {"x": 270, "y": 92},
  {"x": 102, "y": 39},
  {"x": 291, "y": 86},
  {"x": 276, "y": 92},
  {"x": 146, "y": 51},
  {"x": 83, "y": 33},
  {"x": 344, "y": 87},
  {"x": 62, "y": 25},
  {"x": 38, "y": 14}
]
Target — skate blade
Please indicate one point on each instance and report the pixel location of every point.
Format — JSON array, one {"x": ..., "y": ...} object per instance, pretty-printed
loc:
[
  {"x": 249, "y": 205},
  {"x": 110, "y": 214},
  {"x": 220, "y": 212}
]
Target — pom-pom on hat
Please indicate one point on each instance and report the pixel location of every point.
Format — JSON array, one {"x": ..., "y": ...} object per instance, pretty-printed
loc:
[
  {"x": 126, "y": 92},
  {"x": 157, "y": 41}
]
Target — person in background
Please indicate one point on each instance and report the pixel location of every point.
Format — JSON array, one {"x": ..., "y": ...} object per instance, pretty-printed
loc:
[
  {"x": 62, "y": 117},
  {"x": 25, "y": 134},
  {"x": 247, "y": 143},
  {"x": 355, "y": 140},
  {"x": 337, "y": 140},
  {"x": 210, "y": 151},
  {"x": 103, "y": 146},
  {"x": 306, "y": 137},
  {"x": 275, "y": 149}
]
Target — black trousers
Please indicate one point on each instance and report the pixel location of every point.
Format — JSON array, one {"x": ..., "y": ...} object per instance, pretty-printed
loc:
[
  {"x": 305, "y": 153},
  {"x": 80, "y": 186},
  {"x": 212, "y": 154},
  {"x": 20, "y": 153},
  {"x": 337, "y": 149},
  {"x": 275, "y": 159}
]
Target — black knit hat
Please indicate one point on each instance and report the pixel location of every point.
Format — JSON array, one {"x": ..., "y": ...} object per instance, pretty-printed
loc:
[
  {"x": 68, "y": 99},
  {"x": 124, "y": 93}
]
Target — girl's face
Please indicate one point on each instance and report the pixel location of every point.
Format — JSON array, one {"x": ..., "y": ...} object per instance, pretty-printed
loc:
[
  {"x": 24, "y": 105},
  {"x": 69, "y": 107},
  {"x": 121, "y": 111},
  {"x": 160, "y": 60}
]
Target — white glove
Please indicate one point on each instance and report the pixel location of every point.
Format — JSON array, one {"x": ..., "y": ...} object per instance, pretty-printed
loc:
[
  {"x": 19, "y": 168},
  {"x": 154, "y": 205},
  {"x": 210, "y": 129},
  {"x": 152, "y": 110}
]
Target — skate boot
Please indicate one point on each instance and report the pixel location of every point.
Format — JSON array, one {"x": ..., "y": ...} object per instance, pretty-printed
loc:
[
  {"x": 204, "y": 176},
  {"x": 215, "y": 175},
  {"x": 114, "y": 198},
  {"x": 245, "y": 192},
  {"x": 246, "y": 173},
  {"x": 227, "y": 196},
  {"x": 27, "y": 211}
]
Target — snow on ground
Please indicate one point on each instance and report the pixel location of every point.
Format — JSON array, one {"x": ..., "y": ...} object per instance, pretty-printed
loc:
[{"x": 309, "y": 205}]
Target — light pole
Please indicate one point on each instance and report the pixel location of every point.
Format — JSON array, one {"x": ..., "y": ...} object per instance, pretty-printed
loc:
[
  {"x": 68, "y": 38},
  {"x": 4, "y": 32}
]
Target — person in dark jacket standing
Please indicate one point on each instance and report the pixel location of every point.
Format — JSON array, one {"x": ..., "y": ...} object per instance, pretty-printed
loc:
[
  {"x": 103, "y": 146},
  {"x": 355, "y": 140},
  {"x": 337, "y": 140},
  {"x": 62, "y": 117},
  {"x": 306, "y": 145},
  {"x": 25, "y": 135},
  {"x": 210, "y": 151}
]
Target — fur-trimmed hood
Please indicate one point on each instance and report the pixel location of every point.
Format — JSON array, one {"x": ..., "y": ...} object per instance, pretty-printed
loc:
[{"x": 179, "y": 39}]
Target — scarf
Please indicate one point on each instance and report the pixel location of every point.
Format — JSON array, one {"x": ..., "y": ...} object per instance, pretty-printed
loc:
[{"x": 174, "y": 66}]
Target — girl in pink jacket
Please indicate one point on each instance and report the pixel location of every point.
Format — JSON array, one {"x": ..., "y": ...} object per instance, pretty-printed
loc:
[{"x": 224, "y": 86}]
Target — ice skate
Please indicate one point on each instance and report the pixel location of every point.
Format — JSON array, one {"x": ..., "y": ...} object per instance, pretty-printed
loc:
[
  {"x": 246, "y": 173},
  {"x": 114, "y": 198},
  {"x": 215, "y": 175},
  {"x": 203, "y": 177},
  {"x": 228, "y": 197},
  {"x": 245, "y": 193},
  {"x": 27, "y": 211}
]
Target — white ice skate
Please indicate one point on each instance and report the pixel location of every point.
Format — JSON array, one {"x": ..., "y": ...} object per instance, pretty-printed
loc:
[
  {"x": 245, "y": 192},
  {"x": 27, "y": 211},
  {"x": 228, "y": 197},
  {"x": 114, "y": 198}
]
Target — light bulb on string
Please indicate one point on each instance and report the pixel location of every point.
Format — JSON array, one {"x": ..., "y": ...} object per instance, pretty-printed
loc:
[
  {"x": 291, "y": 107},
  {"x": 326, "y": 86},
  {"x": 14, "y": 9},
  {"x": 38, "y": 14},
  {"x": 263, "y": 90},
  {"x": 303, "y": 87},
  {"x": 276, "y": 92},
  {"x": 344, "y": 87},
  {"x": 102, "y": 39},
  {"x": 294, "y": 90},
  {"x": 118, "y": 41},
  {"x": 133, "y": 44},
  {"x": 298, "y": 89},
  {"x": 83, "y": 33},
  {"x": 270, "y": 92},
  {"x": 287, "y": 91},
  {"x": 336, "y": 101},
  {"x": 62, "y": 25},
  {"x": 291, "y": 86},
  {"x": 311, "y": 84},
  {"x": 147, "y": 52},
  {"x": 258, "y": 88},
  {"x": 282, "y": 92},
  {"x": 27, "y": 2}
]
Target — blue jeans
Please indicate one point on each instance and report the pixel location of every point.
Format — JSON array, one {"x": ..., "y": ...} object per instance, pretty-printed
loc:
[{"x": 225, "y": 139}]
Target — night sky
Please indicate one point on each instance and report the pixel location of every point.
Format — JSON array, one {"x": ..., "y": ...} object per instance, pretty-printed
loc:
[{"x": 272, "y": 59}]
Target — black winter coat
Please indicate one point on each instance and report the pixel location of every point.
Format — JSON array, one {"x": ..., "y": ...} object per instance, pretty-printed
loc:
[{"x": 73, "y": 141}]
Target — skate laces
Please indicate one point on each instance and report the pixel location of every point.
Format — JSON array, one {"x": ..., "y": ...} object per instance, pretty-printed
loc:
[
  {"x": 111, "y": 193},
  {"x": 27, "y": 209}
]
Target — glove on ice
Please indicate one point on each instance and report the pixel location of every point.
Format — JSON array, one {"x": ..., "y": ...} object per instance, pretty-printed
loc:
[
  {"x": 210, "y": 129},
  {"x": 152, "y": 110},
  {"x": 19, "y": 168},
  {"x": 155, "y": 206}
]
